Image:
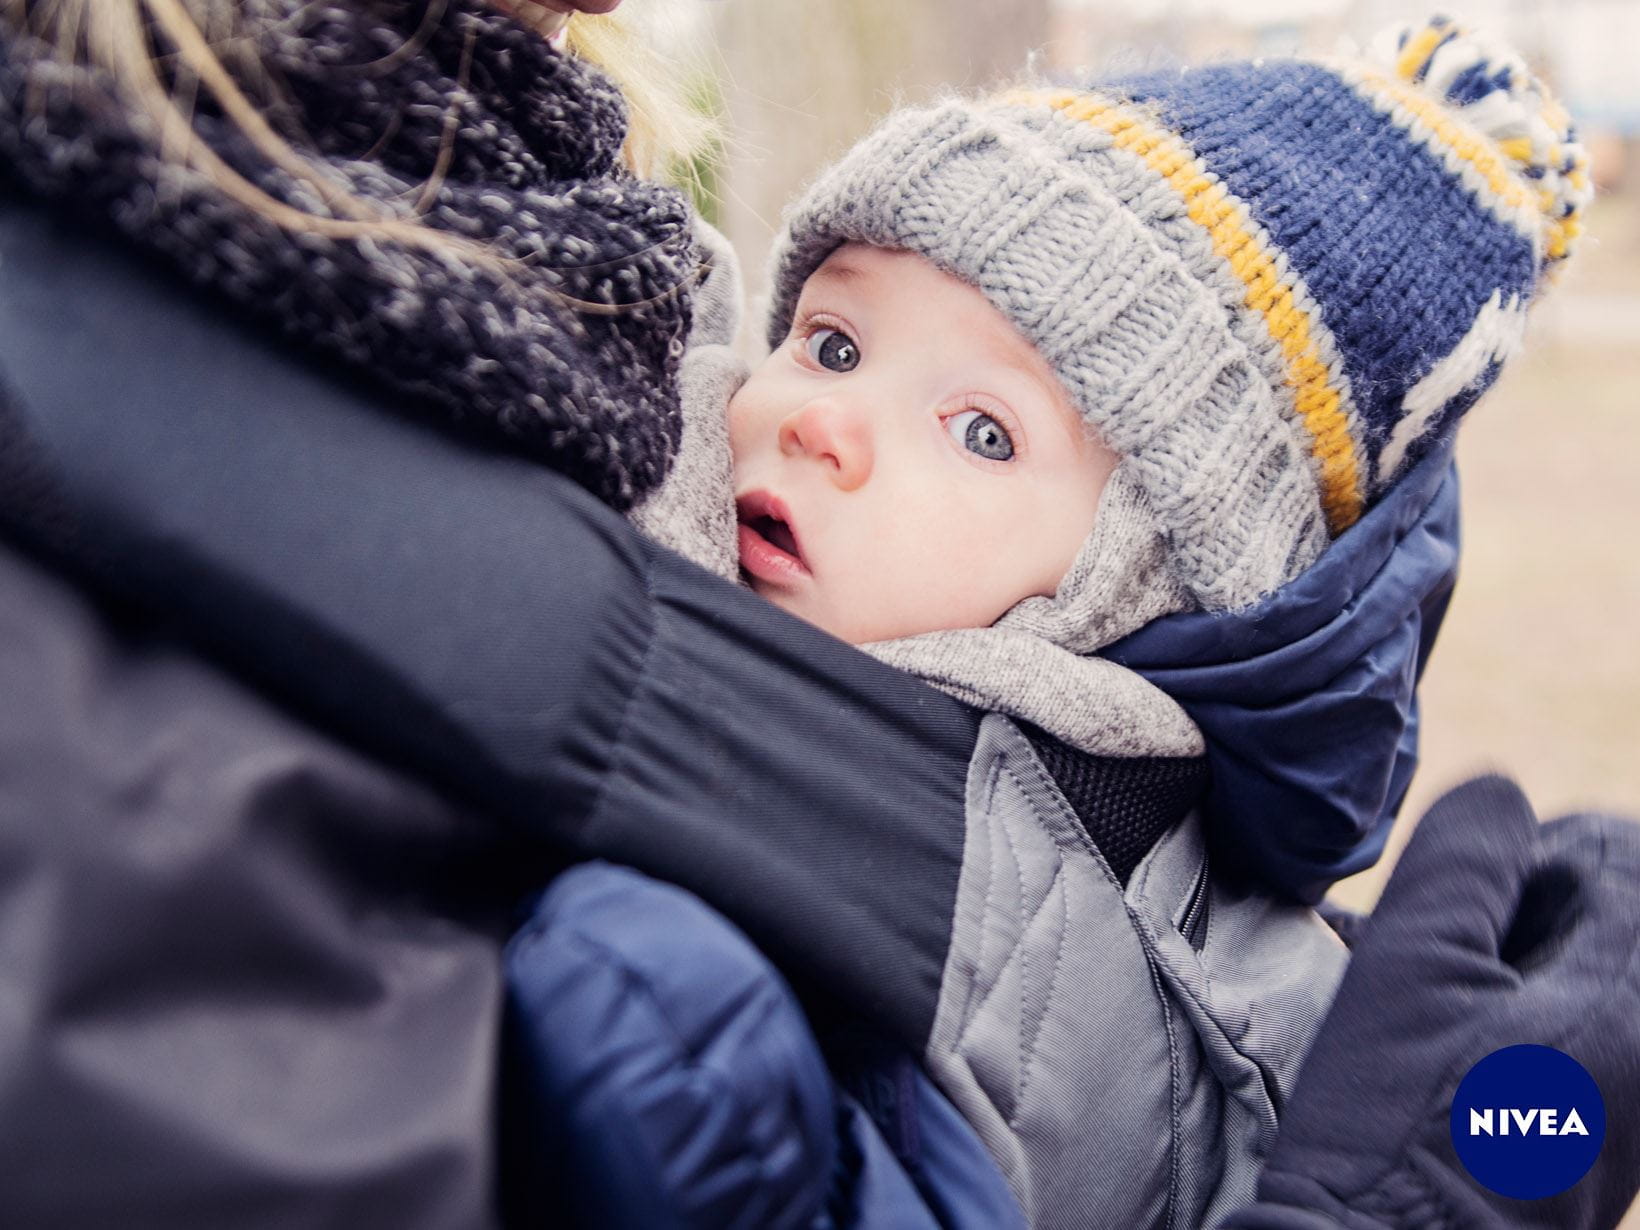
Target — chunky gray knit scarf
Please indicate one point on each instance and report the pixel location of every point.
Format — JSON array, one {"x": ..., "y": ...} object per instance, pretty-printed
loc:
[{"x": 438, "y": 110}]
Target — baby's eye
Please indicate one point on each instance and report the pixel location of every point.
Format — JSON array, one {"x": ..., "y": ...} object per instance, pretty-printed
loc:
[
  {"x": 981, "y": 434},
  {"x": 833, "y": 350}
]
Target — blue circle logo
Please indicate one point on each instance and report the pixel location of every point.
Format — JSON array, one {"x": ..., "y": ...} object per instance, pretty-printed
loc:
[{"x": 1528, "y": 1121}]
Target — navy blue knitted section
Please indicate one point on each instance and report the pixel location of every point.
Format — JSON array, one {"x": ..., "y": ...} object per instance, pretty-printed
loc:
[
  {"x": 1477, "y": 81},
  {"x": 1125, "y": 803},
  {"x": 1395, "y": 249}
]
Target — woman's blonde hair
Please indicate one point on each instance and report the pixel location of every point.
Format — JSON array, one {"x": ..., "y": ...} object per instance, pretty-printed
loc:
[
  {"x": 212, "y": 46},
  {"x": 666, "y": 132}
]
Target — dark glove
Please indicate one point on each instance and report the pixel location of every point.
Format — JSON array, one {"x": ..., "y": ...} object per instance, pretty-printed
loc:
[{"x": 1492, "y": 931}]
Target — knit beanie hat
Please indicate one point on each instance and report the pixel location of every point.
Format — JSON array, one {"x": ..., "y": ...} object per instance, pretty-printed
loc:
[{"x": 1270, "y": 285}]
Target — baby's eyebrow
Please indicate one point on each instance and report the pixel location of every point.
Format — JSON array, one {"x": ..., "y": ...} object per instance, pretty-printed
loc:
[{"x": 838, "y": 269}]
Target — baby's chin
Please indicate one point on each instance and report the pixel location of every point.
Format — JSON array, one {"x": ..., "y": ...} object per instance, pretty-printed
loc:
[{"x": 854, "y": 627}]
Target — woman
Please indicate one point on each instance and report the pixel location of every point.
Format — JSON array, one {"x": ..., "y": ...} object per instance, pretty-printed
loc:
[
  {"x": 320, "y": 668},
  {"x": 367, "y": 624}
]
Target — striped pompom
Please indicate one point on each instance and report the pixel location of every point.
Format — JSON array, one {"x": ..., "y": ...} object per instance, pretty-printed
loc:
[{"x": 1487, "y": 85}]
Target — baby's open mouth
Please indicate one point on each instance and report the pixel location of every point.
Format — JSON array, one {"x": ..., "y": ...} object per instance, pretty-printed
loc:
[
  {"x": 777, "y": 532},
  {"x": 769, "y": 546}
]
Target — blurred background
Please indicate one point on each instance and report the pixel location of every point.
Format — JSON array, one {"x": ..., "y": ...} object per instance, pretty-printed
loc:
[{"x": 1538, "y": 667}]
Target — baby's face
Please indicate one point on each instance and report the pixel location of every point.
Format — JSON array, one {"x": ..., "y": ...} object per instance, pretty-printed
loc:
[{"x": 906, "y": 461}]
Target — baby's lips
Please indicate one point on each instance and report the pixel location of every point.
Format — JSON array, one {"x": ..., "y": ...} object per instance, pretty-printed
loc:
[{"x": 758, "y": 505}]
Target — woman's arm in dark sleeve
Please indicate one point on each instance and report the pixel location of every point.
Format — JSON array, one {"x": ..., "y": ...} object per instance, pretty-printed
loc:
[{"x": 479, "y": 620}]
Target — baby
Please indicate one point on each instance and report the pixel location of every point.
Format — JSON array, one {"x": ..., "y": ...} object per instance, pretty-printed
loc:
[
  {"x": 1159, "y": 374},
  {"x": 1171, "y": 337}
]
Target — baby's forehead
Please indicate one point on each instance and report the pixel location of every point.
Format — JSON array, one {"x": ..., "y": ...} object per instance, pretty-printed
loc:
[{"x": 938, "y": 299}]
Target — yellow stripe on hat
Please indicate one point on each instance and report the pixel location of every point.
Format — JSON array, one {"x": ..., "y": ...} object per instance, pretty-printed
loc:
[
  {"x": 1318, "y": 400},
  {"x": 1418, "y": 50}
]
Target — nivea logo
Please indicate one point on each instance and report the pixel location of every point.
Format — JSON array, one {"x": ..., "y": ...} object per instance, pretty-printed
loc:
[
  {"x": 1528, "y": 1121},
  {"x": 1541, "y": 1119}
]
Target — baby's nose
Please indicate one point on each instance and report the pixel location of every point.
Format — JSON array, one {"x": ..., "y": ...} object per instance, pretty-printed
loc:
[{"x": 836, "y": 432}]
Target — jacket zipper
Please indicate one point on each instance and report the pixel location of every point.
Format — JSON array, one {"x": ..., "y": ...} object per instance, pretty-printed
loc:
[{"x": 1193, "y": 926}]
